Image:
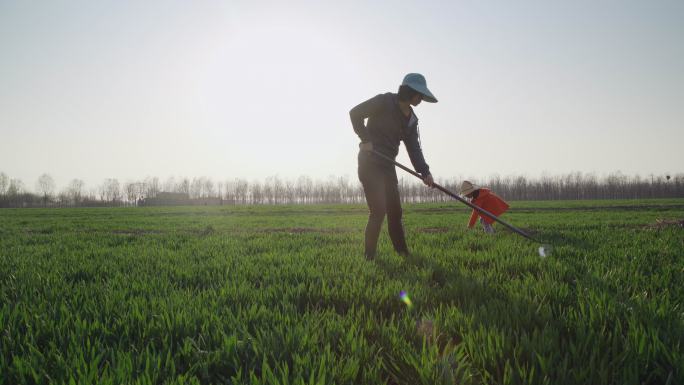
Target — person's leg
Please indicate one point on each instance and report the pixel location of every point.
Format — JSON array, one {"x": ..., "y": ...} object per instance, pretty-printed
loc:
[
  {"x": 488, "y": 228},
  {"x": 374, "y": 190},
  {"x": 394, "y": 214}
]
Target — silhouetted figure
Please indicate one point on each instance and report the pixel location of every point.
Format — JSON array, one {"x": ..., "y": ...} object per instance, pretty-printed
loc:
[{"x": 390, "y": 121}]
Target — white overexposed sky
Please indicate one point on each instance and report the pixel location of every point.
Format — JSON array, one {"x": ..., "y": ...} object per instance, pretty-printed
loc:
[{"x": 250, "y": 89}]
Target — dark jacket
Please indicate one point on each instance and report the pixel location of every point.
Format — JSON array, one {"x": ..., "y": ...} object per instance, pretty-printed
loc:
[{"x": 387, "y": 126}]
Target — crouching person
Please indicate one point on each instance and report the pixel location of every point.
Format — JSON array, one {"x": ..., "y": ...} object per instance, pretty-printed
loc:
[{"x": 486, "y": 199}]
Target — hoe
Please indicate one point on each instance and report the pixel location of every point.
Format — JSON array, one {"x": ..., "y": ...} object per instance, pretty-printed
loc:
[{"x": 544, "y": 249}]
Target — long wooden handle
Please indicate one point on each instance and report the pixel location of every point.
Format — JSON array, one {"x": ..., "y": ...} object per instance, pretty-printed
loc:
[{"x": 458, "y": 198}]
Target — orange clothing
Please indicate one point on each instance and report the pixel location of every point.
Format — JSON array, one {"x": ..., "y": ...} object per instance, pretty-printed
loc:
[{"x": 490, "y": 202}]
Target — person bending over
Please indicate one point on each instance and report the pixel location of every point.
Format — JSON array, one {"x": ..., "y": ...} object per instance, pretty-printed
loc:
[
  {"x": 486, "y": 199},
  {"x": 390, "y": 120}
]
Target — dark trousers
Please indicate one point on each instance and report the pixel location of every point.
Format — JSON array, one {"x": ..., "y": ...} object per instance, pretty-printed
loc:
[{"x": 382, "y": 195}]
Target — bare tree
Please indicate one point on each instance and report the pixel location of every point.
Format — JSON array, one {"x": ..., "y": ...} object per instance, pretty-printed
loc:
[
  {"x": 196, "y": 188},
  {"x": 256, "y": 193},
  {"x": 305, "y": 189},
  {"x": 183, "y": 186},
  {"x": 75, "y": 190},
  {"x": 152, "y": 187},
  {"x": 46, "y": 187},
  {"x": 102, "y": 192},
  {"x": 278, "y": 190},
  {"x": 169, "y": 185},
  {"x": 267, "y": 190},
  {"x": 16, "y": 187},
  {"x": 115, "y": 190},
  {"x": 290, "y": 192},
  {"x": 208, "y": 190},
  {"x": 343, "y": 188},
  {"x": 63, "y": 197},
  {"x": 229, "y": 192},
  {"x": 92, "y": 194},
  {"x": 4, "y": 183},
  {"x": 242, "y": 190},
  {"x": 110, "y": 190},
  {"x": 132, "y": 191}
]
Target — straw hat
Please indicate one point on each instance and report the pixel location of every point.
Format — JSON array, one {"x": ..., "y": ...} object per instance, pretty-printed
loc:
[
  {"x": 467, "y": 188},
  {"x": 417, "y": 83}
]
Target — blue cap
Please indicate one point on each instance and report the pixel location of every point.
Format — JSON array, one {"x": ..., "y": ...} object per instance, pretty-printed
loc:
[{"x": 417, "y": 83}]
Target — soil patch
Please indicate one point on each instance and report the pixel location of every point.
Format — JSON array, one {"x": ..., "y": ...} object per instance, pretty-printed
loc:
[
  {"x": 432, "y": 229},
  {"x": 137, "y": 232},
  {"x": 302, "y": 230},
  {"x": 665, "y": 223}
]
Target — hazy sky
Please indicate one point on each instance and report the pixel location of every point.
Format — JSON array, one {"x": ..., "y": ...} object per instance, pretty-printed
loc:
[{"x": 224, "y": 89}]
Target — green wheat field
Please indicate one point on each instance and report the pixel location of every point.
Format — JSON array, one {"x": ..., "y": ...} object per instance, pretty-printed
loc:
[{"x": 283, "y": 295}]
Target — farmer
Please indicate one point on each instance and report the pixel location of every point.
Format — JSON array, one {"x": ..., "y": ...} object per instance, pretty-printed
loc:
[
  {"x": 390, "y": 121},
  {"x": 486, "y": 199}
]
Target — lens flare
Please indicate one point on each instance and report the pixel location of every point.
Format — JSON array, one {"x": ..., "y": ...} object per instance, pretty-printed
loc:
[
  {"x": 405, "y": 298},
  {"x": 545, "y": 250}
]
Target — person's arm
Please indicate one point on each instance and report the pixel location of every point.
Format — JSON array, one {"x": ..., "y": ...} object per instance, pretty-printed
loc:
[
  {"x": 415, "y": 153},
  {"x": 473, "y": 219},
  {"x": 359, "y": 113}
]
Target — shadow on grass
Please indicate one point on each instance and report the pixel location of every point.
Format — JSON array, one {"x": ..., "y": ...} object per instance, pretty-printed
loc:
[
  {"x": 453, "y": 287},
  {"x": 594, "y": 314},
  {"x": 485, "y": 307}
]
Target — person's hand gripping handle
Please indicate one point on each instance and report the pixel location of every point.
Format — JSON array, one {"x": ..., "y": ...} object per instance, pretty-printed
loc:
[
  {"x": 429, "y": 181},
  {"x": 366, "y": 146}
]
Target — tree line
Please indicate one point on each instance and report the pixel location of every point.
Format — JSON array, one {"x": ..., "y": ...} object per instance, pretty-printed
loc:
[{"x": 333, "y": 190}]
